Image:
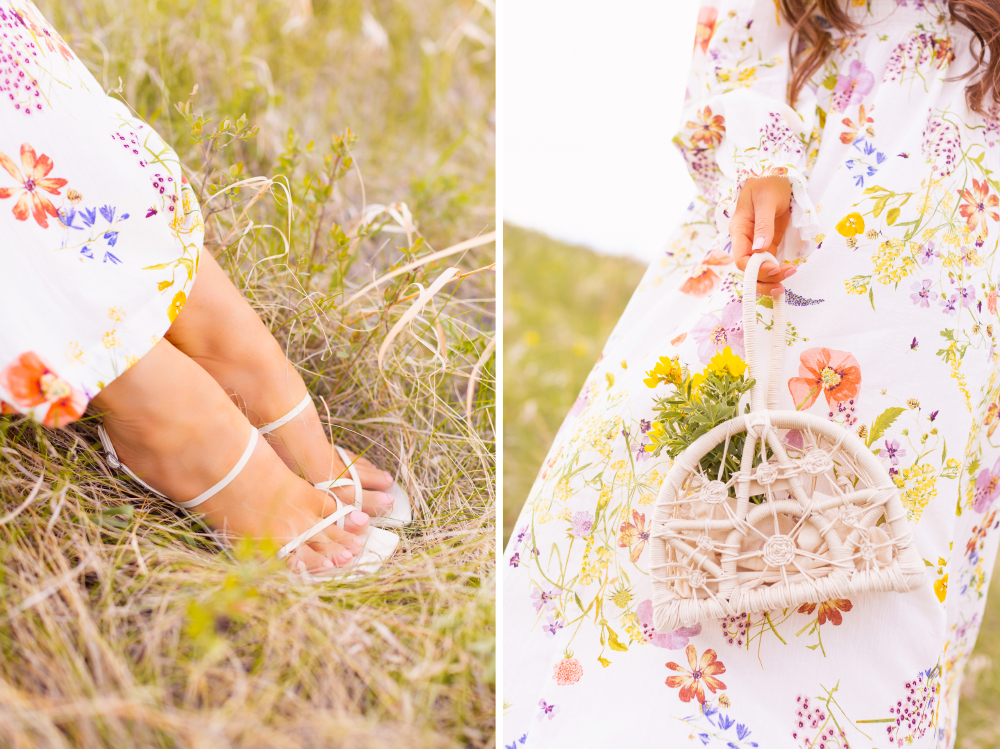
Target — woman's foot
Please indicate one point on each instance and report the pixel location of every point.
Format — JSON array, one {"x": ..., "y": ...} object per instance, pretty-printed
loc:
[
  {"x": 176, "y": 429},
  {"x": 220, "y": 331}
]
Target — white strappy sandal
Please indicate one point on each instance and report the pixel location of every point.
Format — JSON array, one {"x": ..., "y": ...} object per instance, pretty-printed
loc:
[
  {"x": 378, "y": 544},
  {"x": 401, "y": 514}
]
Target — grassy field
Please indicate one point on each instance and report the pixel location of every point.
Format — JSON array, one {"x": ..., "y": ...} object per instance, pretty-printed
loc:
[
  {"x": 560, "y": 304},
  {"x": 122, "y": 625}
]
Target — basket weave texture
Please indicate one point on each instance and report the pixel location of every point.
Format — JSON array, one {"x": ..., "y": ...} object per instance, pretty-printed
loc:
[{"x": 827, "y": 521}]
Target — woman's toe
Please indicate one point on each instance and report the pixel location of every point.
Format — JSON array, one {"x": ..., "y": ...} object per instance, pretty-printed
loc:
[
  {"x": 344, "y": 536},
  {"x": 306, "y": 559},
  {"x": 356, "y": 522},
  {"x": 374, "y": 478},
  {"x": 333, "y": 553}
]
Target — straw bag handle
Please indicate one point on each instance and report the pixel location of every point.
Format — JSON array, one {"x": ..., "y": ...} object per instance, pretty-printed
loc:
[{"x": 778, "y": 328}]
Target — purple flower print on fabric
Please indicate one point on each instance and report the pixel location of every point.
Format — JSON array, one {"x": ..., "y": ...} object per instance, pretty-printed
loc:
[
  {"x": 548, "y": 711},
  {"x": 552, "y": 626},
  {"x": 921, "y": 295},
  {"x": 544, "y": 599},
  {"x": 581, "y": 523},
  {"x": 676, "y": 640},
  {"x": 715, "y": 332},
  {"x": 852, "y": 88},
  {"x": 987, "y": 488},
  {"x": 893, "y": 451}
]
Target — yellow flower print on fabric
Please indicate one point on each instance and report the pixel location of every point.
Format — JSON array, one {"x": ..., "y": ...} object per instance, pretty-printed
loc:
[
  {"x": 180, "y": 298},
  {"x": 919, "y": 486},
  {"x": 851, "y": 225}
]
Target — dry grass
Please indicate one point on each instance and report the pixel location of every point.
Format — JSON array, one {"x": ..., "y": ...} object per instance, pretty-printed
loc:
[{"x": 123, "y": 625}]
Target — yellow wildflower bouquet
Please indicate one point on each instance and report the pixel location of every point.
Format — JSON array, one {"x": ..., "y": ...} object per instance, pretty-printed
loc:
[{"x": 700, "y": 401}]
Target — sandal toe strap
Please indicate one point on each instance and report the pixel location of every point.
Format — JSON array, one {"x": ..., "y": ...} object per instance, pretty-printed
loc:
[
  {"x": 354, "y": 480},
  {"x": 336, "y": 517}
]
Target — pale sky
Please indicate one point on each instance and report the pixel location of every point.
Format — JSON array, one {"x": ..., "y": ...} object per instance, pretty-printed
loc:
[{"x": 592, "y": 93}]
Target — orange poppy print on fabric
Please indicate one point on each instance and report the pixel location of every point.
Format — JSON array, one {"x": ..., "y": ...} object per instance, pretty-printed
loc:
[
  {"x": 707, "y": 18},
  {"x": 829, "y": 611},
  {"x": 703, "y": 279},
  {"x": 32, "y": 182},
  {"x": 835, "y": 374},
  {"x": 31, "y": 382},
  {"x": 976, "y": 205},
  {"x": 709, "y": 129},
  {"x": 634, "y": 534},
  {"x": 701, "y": 674}
]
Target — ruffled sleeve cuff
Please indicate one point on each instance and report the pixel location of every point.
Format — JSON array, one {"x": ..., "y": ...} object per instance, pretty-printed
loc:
[{"x": 803, "y": 212}]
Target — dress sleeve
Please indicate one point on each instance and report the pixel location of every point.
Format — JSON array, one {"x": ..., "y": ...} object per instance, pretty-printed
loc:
[{"x": 737, "y": 123}]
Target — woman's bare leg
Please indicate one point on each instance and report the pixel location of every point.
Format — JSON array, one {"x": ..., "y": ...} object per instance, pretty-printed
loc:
[
  {"x": 220, "y": 331},
  {"x": 176, "y": 429}
]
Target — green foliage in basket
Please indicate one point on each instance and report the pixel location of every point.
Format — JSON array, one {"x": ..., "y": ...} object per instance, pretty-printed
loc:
[{"x": 699, "y": 402}]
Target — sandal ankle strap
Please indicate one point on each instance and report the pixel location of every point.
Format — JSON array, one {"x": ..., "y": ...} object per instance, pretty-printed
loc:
[
  {"x": 115, "y": 462},
  {"x": 228, "y": 478},
  {"x": 287, "y": 417},
  {"x": 112, "y": 459}
]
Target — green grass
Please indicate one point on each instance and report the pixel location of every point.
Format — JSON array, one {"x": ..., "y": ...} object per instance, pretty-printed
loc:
[
  {"x": 561, "y": 303},
  {"x": 120, "y": 623}
]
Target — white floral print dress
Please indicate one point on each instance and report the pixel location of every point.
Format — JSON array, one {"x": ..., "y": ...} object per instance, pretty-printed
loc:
[
  {"x": 100, "y": 233},
  {"x": 894, "y": 325}
]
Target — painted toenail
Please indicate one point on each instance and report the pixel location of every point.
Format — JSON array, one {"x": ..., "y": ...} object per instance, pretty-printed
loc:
[
  {"x": 389, "y": 477},
  {"x": 385, "y": 500},
  {"x": 359, "y": 518},
  {"x": 345, "y": 555},
  {"x": 299, "y": 565},
  {"x": 327, "y": 564}
]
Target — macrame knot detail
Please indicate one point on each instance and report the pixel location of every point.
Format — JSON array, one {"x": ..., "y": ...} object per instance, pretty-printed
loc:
[
  {"x": 849, "y": 515},
  {"x": 714, "y": 492},
  {"x": 697, "y": 579},
  {"x": 705, "y": 543},
  {"x": 778, "y": 551},
  {"x": 766, "y": 474},
  {"x": 867, "y": 551},
  {"x": 816, "y": 462}
]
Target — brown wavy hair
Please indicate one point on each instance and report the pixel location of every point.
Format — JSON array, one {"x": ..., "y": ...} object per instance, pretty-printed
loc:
[{"x": 812, "y": 44}]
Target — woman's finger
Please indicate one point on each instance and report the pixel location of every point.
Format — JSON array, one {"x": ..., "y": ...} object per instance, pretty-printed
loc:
[{"x": 765, "y": 207}]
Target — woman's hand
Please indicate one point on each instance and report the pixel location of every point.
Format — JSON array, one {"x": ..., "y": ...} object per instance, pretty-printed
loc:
[{"x": 758, "y": 224}]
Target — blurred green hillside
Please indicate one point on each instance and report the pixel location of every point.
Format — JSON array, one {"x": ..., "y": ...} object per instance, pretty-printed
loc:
[{"x": 560, "y": 304}]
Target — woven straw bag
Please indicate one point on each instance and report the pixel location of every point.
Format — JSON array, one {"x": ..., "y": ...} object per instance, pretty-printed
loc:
[{"x": 830, "y": 523}]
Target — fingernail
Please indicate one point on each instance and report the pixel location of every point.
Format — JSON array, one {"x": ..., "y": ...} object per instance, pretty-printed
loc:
[
  {"x": 791, "y": 272},
  {"x": 359, "y": 518},
  {"x": 758, "y": 243},
  {"x": 777, "y": 292}
]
